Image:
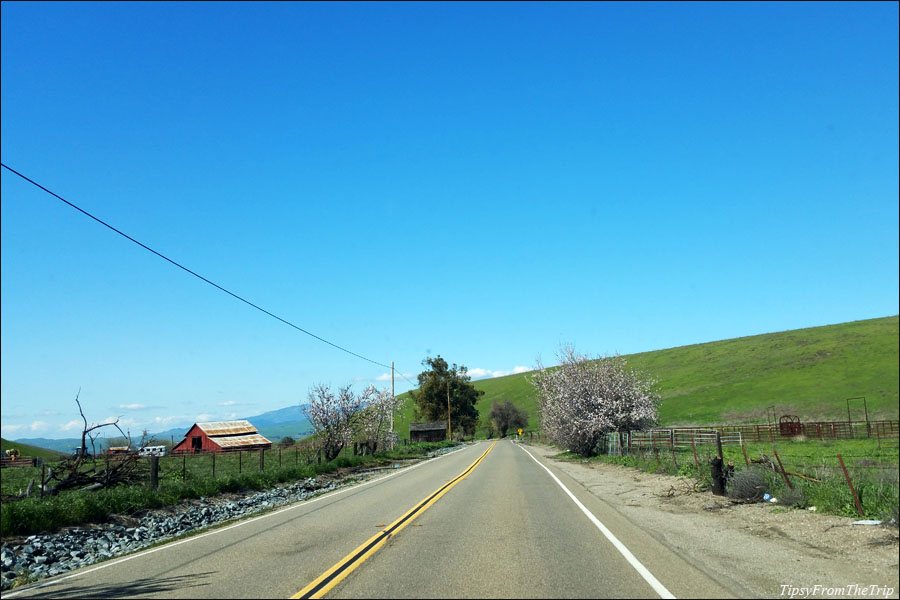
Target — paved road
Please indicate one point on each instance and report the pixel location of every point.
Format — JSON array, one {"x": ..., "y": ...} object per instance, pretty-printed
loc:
[{"x": 497, "y": 524}]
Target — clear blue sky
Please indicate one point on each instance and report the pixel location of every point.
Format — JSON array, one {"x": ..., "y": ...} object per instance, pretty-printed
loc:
[{"x": 480, "y": 181}]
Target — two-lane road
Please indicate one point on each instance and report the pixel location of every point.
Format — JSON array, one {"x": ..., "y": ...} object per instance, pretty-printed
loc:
[{"x": 485, "y": 521}]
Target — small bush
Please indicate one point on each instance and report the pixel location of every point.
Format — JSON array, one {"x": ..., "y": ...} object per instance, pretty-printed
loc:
[
  {"x": 748, "y": 485},
  {"x": 794, "y": 497}
]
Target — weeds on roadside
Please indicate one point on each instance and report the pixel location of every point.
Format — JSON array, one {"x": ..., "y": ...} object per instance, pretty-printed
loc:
[
  {"x": 32, "y": 515},
  {"x": 823, "y": 485}
]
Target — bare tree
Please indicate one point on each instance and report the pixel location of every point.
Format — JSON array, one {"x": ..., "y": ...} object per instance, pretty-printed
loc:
[
  {"x": 505, "y": 416},
  {"x": 88, "y": 473},
  {"x": 584, "y": 398}
]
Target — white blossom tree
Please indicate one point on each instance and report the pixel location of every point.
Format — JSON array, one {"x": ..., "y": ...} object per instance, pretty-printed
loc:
[
  {"x": 584, "y": 398},
  {"x": 333, "y": 416},
  {"x": 374, "y": 425}
]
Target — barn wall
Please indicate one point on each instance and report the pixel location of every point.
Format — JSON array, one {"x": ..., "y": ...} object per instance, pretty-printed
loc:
[{"x": 207, "y": 444}]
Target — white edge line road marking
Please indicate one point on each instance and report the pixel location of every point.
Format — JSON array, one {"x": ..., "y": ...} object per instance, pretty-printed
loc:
[
  {"x": 296, "y": 504},
  {"x": 634, "y": 562}
]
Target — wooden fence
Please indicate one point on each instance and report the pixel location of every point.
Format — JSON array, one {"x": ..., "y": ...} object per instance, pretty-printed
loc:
[
  {"x": 22, "y": 461},
  {"x": 822, "y": 430}
]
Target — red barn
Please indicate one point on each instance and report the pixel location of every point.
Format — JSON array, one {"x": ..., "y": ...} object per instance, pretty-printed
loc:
[{"x": 222, "y": 436}]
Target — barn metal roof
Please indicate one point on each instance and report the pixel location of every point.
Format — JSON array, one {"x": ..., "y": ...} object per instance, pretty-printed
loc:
[
  {"x": 432, "y": 426},
  {"x": 227, "y": 428},
  {"x": 238, "y": 441}
]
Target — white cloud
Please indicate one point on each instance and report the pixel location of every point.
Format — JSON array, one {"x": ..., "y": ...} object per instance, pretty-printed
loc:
[
  {"x": 203, "y": 417},
  {"x": 72, "y": 425},
  {"x": 479, "y": 373},
  {"x": 132, "y": 406},
  {"x": 38, "y": 426},
  {"x": 227, "y": 403},
  {"x": 8, "y": 427},
  {"x": 387, "y": 376}
]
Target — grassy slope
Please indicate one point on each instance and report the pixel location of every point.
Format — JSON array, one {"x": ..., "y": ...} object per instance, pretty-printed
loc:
[
  {"x": 807, "y": 372},
  {"x": 26, "y": 450}
]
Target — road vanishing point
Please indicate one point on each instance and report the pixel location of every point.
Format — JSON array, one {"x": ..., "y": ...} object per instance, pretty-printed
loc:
[{"x": 491, "y": 520}]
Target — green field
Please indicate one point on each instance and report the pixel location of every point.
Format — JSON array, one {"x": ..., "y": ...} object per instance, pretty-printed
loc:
[{"x": 805, "y": 372}]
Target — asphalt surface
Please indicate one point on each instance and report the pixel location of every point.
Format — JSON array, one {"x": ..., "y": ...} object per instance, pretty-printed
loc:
[{"x": 505, "y": 529}]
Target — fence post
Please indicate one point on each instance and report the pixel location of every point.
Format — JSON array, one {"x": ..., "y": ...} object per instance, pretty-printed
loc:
[
  {"x": 850, "y": 483},
  {"x": 744, "y": 450},
  {"x": 716, "y": 468},
  {"x": 154, "y": 472},
  {"x": 719, "y": 444},
  {"x": 780, "y": 466},
  {"x": 43, "y": 478},
  {"x": 694, "y": 448}
]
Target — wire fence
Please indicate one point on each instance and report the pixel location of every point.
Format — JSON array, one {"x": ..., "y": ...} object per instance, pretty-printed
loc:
[{"x": 848, "y": 476}]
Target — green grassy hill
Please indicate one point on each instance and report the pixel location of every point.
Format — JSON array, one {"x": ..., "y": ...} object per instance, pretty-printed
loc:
[
  {"x": 805, "y": 372},
  {"x": 26, "y": 450}
]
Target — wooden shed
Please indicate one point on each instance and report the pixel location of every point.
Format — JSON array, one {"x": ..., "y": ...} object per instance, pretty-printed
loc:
[
  {"x": 222, "y": 436},
  {"x": 435, "y": 431}
]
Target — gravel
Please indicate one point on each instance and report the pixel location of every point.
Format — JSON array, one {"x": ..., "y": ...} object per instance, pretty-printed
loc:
[{"x": 40, "y": 556}]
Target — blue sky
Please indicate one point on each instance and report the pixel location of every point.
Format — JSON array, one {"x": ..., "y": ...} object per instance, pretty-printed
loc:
[{"x": 481, "y": 181}]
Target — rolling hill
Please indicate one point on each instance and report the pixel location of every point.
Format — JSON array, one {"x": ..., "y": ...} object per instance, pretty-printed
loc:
[
  {"x": 805, "y": 372},
  {"x": 28, "y": 450}
]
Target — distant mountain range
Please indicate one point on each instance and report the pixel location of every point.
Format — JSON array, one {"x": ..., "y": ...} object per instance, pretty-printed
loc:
[{"x": 274, "y": 424}]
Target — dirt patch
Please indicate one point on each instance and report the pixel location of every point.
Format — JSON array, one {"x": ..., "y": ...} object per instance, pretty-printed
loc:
[{"x": 754, "y": 549}]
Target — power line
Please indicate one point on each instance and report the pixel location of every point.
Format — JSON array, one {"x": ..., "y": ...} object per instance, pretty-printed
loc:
[{"x": 197, "y": 275}]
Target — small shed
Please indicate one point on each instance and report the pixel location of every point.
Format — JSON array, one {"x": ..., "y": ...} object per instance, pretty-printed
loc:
[
  {"x": 222, "y": 436},
  {"x": 435, "y": 431}
]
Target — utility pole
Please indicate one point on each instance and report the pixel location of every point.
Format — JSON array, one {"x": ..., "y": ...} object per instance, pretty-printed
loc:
[
  {"x": 392, "y": 405},
  {"x": 449, "y": 427}
]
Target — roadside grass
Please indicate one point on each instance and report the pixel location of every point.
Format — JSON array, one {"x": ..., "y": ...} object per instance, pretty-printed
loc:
[
  {"x": 182, "y": 478},
  {"x": 813, "y": 469}
]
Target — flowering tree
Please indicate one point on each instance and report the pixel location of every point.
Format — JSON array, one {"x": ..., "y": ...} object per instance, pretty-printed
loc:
[
  {"x": 333, "y": 416},
  {"x": 374, "y": 425},
  {"x": 584, "y": 398}
]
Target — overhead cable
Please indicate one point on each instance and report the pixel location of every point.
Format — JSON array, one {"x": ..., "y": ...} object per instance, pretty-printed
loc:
[{"x": 197, "y": 275}]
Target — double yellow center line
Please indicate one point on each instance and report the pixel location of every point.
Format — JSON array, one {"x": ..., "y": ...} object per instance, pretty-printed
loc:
[{"x": 336, "y": 574}]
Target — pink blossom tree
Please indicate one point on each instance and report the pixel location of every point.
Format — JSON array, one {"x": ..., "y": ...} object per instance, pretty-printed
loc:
[{"x": 584, "y": 398}]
